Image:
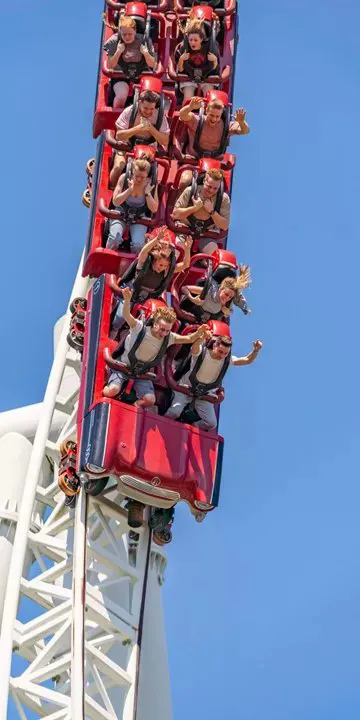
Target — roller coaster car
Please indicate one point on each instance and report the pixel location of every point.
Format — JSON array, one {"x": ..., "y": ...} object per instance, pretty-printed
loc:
[
  {"x": 99, "y": 259},
  {"x": 219, "y": 265},
  {"x": 104, "y": 116},
  {"x": 224, "y": 45},
  {"x": 155, "y": 461},
  {"x": 180, "y": 140},
  {"x": 198, "y": 171}
]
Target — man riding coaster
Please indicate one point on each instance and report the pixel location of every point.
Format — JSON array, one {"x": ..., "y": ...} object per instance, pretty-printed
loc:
[
  {"x": 141, "y": 124},
  {"x": 203, "y": 213}
]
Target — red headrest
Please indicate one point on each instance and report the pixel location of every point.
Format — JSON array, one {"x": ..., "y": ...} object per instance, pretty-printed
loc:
[
  {"x": 217, "y": 95},
  {"x": 148, "y": 307},
  {"x": 151, "y": 83},
  {"x": 136, "y": 9},
  {"x": 206, "y": 164},
  {"x": 219, "y": 328},
  {"x": 148, "y": 149},
  {"x": 169, "y": 235},
  {"x": 202, "y": 12},
  {"x": 224, "y": 257}
]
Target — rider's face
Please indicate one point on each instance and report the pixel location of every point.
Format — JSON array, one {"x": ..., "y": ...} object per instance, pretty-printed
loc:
[
  {"x": 219, "y": 352},
  {"x": 160, "y": 264},
  {"x": 210, "y": 186},
  {"x": 194, "y": 41},
  {"x": 146, "y": 109},
  {"x": 225, "y": 295},
  {"x": 128, "y": 35},
  {"x": 139, "y": 176},
  {"x": 213, "y": 116},
  {"x": 161, "y": 328}
]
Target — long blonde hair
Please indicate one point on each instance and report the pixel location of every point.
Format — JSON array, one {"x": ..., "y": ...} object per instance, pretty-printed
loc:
[{"x": 239, "y": 283}]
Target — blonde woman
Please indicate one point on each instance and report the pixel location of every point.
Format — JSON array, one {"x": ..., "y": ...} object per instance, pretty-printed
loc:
[
  {"x": 135, "y": 199},
  {"x": 127, "y": 52}
]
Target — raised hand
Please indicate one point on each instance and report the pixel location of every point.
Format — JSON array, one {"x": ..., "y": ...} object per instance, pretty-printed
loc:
[
  {"x": 240, "y": 115},
  {"x": 257, "y": 345},
  {"x": 186, "y": 242},
  {"x": 144, "y": 50},
  {"x": 127, "y": 294},
  {"x": 195, "y": 103},
  {"x": 131, "y": 184},
  {"x": 204, "y": 332}
]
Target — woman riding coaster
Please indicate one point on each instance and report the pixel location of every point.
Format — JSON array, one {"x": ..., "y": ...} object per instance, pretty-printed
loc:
[
  {"x": 194, "y": 58},
  {"x": 151, "y": 273},
  {"x": 138, "y": 199},
  {"x": 129, "y": 53},
  {"x": 219, "y": 298}
]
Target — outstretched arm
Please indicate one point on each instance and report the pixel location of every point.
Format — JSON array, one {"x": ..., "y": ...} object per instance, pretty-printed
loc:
[
  {"x": 248, "y": 359},
  {"x": 239, "y": 125},
  {"x": 200, "y": 333},
  {"x": 192, "y": 292},
  {"x": 186, "y": 113},
  {"x": 128, "y": 317}
]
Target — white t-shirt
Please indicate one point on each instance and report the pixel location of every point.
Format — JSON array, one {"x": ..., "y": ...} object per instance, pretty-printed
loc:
[
  {"x": 148, "y": 348},
  {"x": 209, "y": 370}
]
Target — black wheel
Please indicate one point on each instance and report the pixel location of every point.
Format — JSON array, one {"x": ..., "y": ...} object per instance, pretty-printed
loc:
[{"x": 96, "y": 487}]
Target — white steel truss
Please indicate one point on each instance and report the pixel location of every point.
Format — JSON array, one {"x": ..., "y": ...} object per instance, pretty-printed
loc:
[{"x": 88, "y": 585}]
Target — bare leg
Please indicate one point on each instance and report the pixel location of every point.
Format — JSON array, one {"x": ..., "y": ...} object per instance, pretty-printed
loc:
[
  {"x": 117, "y": 168},
  {"x": 112, "y": 390},
  {"x": 145, "y": 401}
]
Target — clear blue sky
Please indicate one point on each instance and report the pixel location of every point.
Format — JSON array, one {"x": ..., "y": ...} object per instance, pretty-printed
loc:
[{"x": 262, "y": 600}]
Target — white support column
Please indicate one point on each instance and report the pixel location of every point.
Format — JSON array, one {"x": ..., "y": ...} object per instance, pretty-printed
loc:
[
  {"x": 28, "y": 499},
  {"x": 95, "y": 590},
  {"x": 78, "y": 624}
]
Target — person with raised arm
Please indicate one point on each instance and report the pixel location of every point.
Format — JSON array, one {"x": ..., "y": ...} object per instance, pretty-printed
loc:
[
  {"x": 209, "y": 362},
  {"x": 145, "y": 346}
]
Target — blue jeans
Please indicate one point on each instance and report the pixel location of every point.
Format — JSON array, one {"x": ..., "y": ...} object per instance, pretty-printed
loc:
[{"x": 116, "y": 231}]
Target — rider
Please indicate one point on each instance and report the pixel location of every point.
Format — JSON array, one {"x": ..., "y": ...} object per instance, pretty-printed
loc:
[
  {"x": 134, "y": 201},
  {"x": 142, "y": 127},
  {"x": 146, "y": 345},
  {"x": 155, "y": 267},
  {"x": 128, "y": 53},
  {"x": 210, "y": 139},
  {"x": 219, "y": 298},
  {"x": 210, "y": 359},
  {"x": 202, "y": 213},
  {"x": 194, "y": 58}
]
